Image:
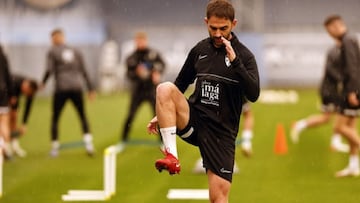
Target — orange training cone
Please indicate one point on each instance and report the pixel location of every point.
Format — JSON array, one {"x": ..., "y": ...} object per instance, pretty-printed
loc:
[{"x": 280, "y": 146}]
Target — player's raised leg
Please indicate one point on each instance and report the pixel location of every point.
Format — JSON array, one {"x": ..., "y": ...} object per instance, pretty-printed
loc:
[
  {"x": 172, "y": 112},
  {"x": 309, "y": 122}
]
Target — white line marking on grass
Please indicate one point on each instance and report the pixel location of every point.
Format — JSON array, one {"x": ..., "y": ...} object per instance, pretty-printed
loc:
[{"x": 188, "y": 194}]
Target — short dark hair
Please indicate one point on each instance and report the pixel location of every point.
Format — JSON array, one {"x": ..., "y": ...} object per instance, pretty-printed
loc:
[
  {"x": 220, "y": 9},
  {"x": 330, "y": 19},
  {"x": 56, "y": 31}
]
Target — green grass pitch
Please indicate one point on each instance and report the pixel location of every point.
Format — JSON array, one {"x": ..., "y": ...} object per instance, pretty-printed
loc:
[{"x": 305, "y": 174}]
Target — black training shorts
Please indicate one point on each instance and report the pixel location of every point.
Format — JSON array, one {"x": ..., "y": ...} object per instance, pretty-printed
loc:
[{"x": 217, "y": 150}]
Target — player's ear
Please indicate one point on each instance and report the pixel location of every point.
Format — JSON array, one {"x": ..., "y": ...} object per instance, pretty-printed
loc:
[
  {"x": 234, "y": 22},
  {"x": 206, "y": 20}
]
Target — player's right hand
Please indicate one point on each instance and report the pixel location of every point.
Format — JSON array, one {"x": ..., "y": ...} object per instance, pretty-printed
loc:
[{"x": 152, "y": 127}]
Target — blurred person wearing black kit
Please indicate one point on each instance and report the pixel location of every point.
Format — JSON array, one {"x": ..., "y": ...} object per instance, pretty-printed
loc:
[
  {"x": 5, "y": 95},
  {"x": 27, "y": 87},
  {"x": 67, "y": 66},
  {"x": 331, "y": 95},
  {"x": 349, "y": 111},
  {"x": 144, "y": 69}
]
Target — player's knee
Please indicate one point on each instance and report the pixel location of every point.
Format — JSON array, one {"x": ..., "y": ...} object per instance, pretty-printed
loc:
[
  {"x": 163, "y": 90},
  {"x": 219, "y": 188},
  {"x": 218, "y": 197}
]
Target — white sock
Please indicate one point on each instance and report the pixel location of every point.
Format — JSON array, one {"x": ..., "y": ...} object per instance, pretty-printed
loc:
[
  {"x": 247, "y": 135},
  {"x": 55, "y": 144},
  {"x": 169, "y": 139},
  {"x": 15, "y": 143},
  {"x": 301, "y": 125},
  {"x": 8, "y": 149},
  {"x": 335, "y": 139},
  {"x": 354, "y": 161},
  {"x": 87, "y": 138}
]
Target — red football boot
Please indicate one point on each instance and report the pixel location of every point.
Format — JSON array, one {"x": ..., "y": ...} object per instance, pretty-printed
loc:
[{"x": 169, "y": 163}]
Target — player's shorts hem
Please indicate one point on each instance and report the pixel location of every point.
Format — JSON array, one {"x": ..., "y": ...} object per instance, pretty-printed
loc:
[
  {"x": 329, "y": 108},
  {"x": 189, "y": 133},
  {"x": 350, "y": 112},
  {"x": 222, "y": 167}
]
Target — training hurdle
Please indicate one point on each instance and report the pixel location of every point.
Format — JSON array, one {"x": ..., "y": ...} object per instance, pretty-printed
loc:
[{"x": 109, "y": 174}]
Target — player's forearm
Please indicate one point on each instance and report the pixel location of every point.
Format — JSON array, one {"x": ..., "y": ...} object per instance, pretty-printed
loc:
[
  {"x": 250, "y": 77},
  {"x": 27, "y": 110},
  {"x": 46, "y": 77}
]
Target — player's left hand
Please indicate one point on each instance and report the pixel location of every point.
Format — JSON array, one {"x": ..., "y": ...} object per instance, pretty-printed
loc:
[
  {"x": 152, "y": 127},
  {"x": 353, "y": 100},
  {"x": 229, "y": 50}
]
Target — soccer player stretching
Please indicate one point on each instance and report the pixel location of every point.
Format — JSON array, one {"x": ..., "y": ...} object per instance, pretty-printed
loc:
[
  {"x": 26, "y": 87},
  {"x": 225, "y": 72},
  {"x": 66, "y": 64}
]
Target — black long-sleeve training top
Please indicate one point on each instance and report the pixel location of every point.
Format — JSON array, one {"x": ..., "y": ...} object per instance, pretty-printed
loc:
[
  {"x": 332, "y": 79},
  {"x": 350, "y": 54},
  {"x": 221, "y": 86},
  {"x": 149, "y": 58}
]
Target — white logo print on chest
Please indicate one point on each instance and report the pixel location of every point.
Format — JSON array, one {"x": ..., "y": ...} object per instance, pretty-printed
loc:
[
  {"x": 210, "y": 93},
  {"x": 68, "y": 55}
]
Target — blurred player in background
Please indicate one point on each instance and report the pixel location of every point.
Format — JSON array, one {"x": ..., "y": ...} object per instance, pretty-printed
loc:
[
  {"x": 346, "y": 121},
  {"x": 144, "y": 69},
  {"x": 247, "y": 132},
  {"x": 225, "y": 72},
  {"x": 5, "y": 95},
  {"x": 26, "y": 87},
  {"x": 67, "y": 66},
  {"x": 330, "y": 92}
]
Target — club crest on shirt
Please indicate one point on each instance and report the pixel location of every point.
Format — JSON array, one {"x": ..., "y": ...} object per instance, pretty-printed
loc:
[
  {"x": 68, "y": 55},
  {"x": 227, "y": 61}
]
